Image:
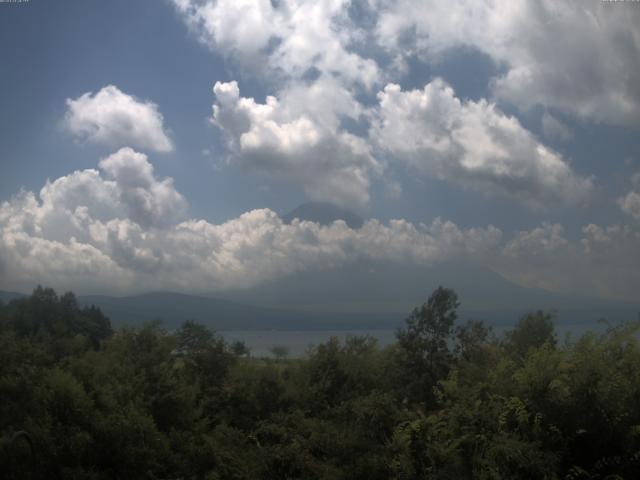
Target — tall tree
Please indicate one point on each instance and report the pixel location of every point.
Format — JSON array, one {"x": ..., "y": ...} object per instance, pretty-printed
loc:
[{"x": 423, "y": 345}]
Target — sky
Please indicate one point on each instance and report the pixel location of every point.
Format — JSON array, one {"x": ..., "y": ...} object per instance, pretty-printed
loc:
[{"x": 154, "y": 145}]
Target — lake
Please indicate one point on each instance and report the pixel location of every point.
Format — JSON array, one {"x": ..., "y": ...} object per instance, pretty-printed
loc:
[{"x": 298, "y": 342}]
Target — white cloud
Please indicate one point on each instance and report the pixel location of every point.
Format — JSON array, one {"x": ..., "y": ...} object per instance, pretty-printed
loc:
[
  {"x": 297, "y": 135},
  {"x": 289, "y": 37},
  {"x": 579, "y": 57},
  {"x": 554, "y": 128},
  {"x": 149, "y": 202},
  {"x": 113, "y": 118},
  {"x": 237, "y": 27},
  {"x": 84, "y": 232},
  {"x": 39, "y": 244},
  {"x": 604, "y": 262},
  {"x": 630, "y": 203},
  {"x": 298, "y": 138},
  {"x": 70, "y": 205},
  {"x": 473, "y": 144}
]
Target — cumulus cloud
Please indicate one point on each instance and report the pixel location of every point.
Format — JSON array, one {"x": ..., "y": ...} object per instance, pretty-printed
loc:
[
  {"x": 113, "y": 118},
  {"x": 69, "y": 206},
  {"x": 473, "y": 144},
  {"x": 630, "y": 203},
  {"x": 582, "y": 58},
  {"x": 297, "y": 135},
  {"x": 241, "y": 27},
  {"x": 298, "y": 138},
  {"x": 308, "y": 51},
  {"x": 85, "y": 232},
  {"x": 149, "y": 202},
  {"x": 603, "y": 262},
  {"x": 554, "y": 128},
  {"x": 289, "y": 37}
]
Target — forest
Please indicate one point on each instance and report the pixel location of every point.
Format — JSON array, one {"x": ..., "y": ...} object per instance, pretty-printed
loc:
[{"x": 447, "y": 400}]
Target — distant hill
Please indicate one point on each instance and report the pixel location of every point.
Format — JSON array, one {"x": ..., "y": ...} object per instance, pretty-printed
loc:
[
  {"x": 6, "y": 297},
  {"x": 358, "y": 296},
  {"x": 174, "y": 308},
  {"x": 222, "y": 315},
  {"x": 324, "y": 214},
  {"x": 373, "y": 288},
  {"x": 365, "y": 295}
]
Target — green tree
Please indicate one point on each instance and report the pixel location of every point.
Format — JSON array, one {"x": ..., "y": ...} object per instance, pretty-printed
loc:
[
  {"x": 279, "y": 352},
  {"x": 423, "y": 345},
  {"x": 240, "y": 349},
  {"x": 532, "y": 331}
]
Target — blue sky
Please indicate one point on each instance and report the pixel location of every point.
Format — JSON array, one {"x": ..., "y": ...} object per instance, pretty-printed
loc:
[
  {"x": 524, "y": 145},
  {"x": 52, "y": 52}
]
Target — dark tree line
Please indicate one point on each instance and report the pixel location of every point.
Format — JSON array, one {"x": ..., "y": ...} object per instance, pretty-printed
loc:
[{"x": 446, "y": 401}]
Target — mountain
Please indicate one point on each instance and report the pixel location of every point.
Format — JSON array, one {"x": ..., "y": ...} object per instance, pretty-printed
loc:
[
  {"x": 174, "y": 308},
  {"x": 324, "y": 214},
  {"x": 375, "y": 288},
  {"x": 358, "y": 296},
  {"x": 6, "y": 297},
  {"x": 222, "y": 315}
]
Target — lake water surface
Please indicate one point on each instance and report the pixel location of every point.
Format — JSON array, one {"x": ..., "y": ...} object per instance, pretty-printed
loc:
[{"x": 298, "y": 342}]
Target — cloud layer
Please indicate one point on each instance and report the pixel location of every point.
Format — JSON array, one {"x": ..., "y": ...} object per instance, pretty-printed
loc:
[
  {"x": 297, "y": 138},
  {"x": 630, "y": 203},
  {"x": 473, "y": 144},
  {"x": 582, "y": 58},
  {"x": 111, "y": 117},
  {"x": 288, "y": 37},
  {"x": 603, "y": 262},
  {"x": 124, "y": 230}
]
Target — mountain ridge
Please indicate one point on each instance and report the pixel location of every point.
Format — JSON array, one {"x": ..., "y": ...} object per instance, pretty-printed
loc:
[
  {"x": 323, "y": 213},
  {"x": 222, "y": 314}
]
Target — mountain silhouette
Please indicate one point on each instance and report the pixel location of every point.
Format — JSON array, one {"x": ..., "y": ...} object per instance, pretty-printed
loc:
[{"x": 324, "y": 214}]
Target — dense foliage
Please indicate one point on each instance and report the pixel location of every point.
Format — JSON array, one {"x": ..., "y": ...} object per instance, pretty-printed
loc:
[{"x": 445, "y": 401}]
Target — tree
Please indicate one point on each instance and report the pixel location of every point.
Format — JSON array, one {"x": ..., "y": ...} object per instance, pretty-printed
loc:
[
  {"x": 57, "y": 322},
  {"x": 207, "y": 360},
  {"x": 240, "y": 349},
  {"x": 280, "y": 352},
  {"x": 532, "y": 331},
  {"x": 423, "y": 347}
]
